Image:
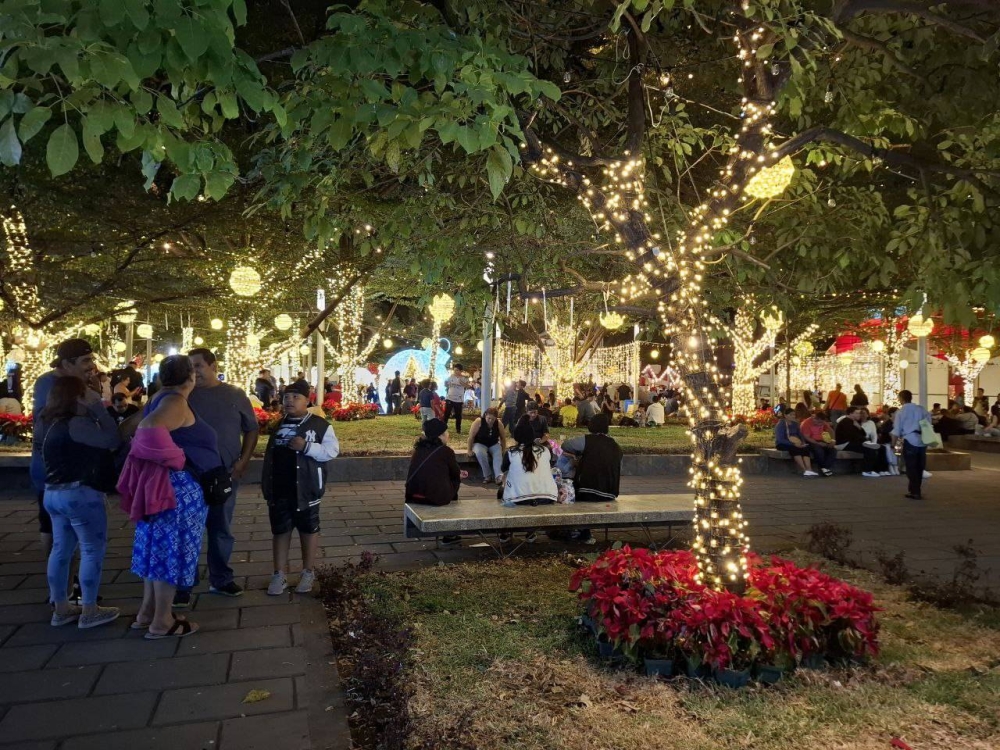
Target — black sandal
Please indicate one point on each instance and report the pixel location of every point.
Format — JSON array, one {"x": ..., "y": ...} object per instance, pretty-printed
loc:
[{"x": 186, "y": 628}]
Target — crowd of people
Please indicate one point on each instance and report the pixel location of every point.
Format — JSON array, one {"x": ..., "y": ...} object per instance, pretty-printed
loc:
[
  {"x": 812, "y": 435},
  {"x": 176, "y": 456}
]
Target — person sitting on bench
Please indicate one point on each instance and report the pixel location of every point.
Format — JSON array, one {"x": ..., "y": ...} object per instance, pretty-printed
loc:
[
  {"x": 850, "y": 436},
  {"x": 434, "y": 476},
  {"x": 527, "y": 473},
  {"x": 818, "y": 435},
  {"x": 788, "y": 438},
  {"x": 597, "y": 478}
]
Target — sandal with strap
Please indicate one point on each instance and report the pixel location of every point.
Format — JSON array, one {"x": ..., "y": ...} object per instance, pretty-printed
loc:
[
  {"x": 180, "y": 629},
  {"x": 136, "y": 625}
]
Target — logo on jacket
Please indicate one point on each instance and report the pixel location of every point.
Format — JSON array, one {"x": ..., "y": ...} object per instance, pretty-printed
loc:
[{"x": 310, "y": 436}]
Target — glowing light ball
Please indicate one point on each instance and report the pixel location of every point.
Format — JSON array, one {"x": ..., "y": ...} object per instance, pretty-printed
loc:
[
  {"x": 245, "y": 281},
  {"x": 119, "y": 346},
  {"x": 144, "y": 331},
  {"x": 387, "y": 344},
  {"x": 772, "y": 181},
  {"x": 198, "y": 341},
  {"x": 981, "y": 355},
  {"x": 216, "y": 324},
  {"x": 304, "y": 349},
  {"x": 480, "y": 346},
  {"x": 127, "y": 316},
  {"x": 612, "y": 321},
  {"x": 919, "y": 327},
  {"x": 442, "y": 308},
  {"x": 459, "y": 350},
  {"x": 878, "y": 346},
  {"x": 903, "y": 364},
  {"x": 283, "y": 322},
  {"x": 804, "y": 348},
  {"x": 91, "y": 329},
  {"x": 655, "y": 354},
  {"x": 157, "y": 358},
  {"x": 987, "y": 341}
]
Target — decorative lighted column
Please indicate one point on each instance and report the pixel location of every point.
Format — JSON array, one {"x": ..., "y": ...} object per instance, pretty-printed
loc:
[
  {"x": 442, "y": 308},
  {"x": 921, "y": 328}
]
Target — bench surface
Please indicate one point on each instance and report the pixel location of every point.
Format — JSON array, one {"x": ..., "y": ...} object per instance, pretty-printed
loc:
[
  {"x": 487, "y": 514},
  {"x": 777, "y": 454}
]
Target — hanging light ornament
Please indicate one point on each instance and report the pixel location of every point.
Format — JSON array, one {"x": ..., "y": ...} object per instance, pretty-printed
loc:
[
  {"x": 216, "y": 324},
  {"x": 442, "y": 308},
  {"x": 772, "y": 181},
  {"x": 612, "y": 320},
  {"x": 773, "y": 319},
  {"x": 283, "y": 322},
  {"x": 91, "y": 329},
  {"x": 127, "y": 316},
  {"x": 903, "y": 364},
  {"x": 920, "y": 327},
  {"x": 981, "y": 355},
  {"x": 804, "y": 349},
  {"x": 119, "y": 346},
  {"x": 245, "y": 281},
  {"x": 878, "y": 346},
  {"x": 198, "y": 341},
  {"x": 655, "y": 354},
  {"x": 387, "y": 343},
  {"x": 144, "y": 331},
  {"x": 304, "y": 349},
  {"x": 480, "y": 345},
  {"x": 987, "y": 341}
]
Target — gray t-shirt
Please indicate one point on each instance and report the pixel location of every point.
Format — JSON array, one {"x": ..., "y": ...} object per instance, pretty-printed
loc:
[{"x": 227, "y": 409}]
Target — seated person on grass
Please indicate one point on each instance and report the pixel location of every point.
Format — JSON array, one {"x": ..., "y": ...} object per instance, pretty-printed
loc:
[
  {"x": 788, "y": 437},
  {"x": 655, "y": 413},
  {"x": 568, "y": 414},
  {"x": 434, "y": 476},
  {"x": 851, "y": 436}
]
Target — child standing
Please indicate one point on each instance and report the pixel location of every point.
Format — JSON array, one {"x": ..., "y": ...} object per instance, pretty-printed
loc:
[{"x": 293, "y": 480}]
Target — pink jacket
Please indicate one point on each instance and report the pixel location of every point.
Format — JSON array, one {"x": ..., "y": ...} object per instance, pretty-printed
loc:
[{"x": 145, "y": 480}]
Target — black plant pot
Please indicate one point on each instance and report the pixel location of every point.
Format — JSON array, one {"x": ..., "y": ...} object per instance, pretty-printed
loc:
[
  {"x": 659, "y": 667},
  {"x": 700, "y": 672},
  {"x": 813, "y": 661},
  {"x": 768, "y": 674},
  {"x": 734, "y": 678}
]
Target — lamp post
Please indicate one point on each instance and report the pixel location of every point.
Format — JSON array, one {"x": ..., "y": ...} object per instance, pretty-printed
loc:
[
  {"x": 921, "y": 328},
  {"x": 489, "y": 329}
]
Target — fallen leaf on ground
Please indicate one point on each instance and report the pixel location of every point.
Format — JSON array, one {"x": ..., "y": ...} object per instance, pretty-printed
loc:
[{"x": 256, "y": 696}]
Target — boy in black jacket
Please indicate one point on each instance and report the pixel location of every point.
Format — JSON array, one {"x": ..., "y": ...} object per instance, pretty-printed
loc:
[{"x": 293, "y": 480}]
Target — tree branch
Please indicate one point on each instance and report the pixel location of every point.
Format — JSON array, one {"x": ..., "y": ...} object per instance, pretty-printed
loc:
[
  {"x": 854, "y": 8},
  {"x": 874, "y": 45}
]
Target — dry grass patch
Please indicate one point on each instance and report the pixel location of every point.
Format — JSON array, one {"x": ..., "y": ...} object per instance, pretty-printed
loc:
[{"x": 499, "y": 663}]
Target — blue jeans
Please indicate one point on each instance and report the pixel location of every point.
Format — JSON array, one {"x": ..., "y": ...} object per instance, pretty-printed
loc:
[
  {"x": 220, "y": 542},
  {"x": 483, "y": 456},
  {"x": 78, "y": 516}
]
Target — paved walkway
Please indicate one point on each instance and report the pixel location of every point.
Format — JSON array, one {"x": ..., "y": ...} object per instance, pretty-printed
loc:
[{"x": 107, "y": 688}]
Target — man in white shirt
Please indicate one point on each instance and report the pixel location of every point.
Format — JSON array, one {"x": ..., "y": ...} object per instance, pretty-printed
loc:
[
  {"x": 455, "y": 387},
  {"x": 655, "y": 415}
]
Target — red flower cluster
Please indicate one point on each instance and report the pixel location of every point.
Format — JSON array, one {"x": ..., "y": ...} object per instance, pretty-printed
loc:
[
  {"x": 759, "y": 420},
  {"x": 649, "y": 603},
  {"x": 352, "y": 412},
  {"x": 267, "y": 421},
  {"x": 16, "y": 425}
]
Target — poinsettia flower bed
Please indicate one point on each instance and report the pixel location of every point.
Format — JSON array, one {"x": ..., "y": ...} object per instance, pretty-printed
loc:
[
  {"x": 352, "y": 412},
  {"x": 758, "y": 421},
  {"x": 16, "y": 425},
  {"x": 648, "y": 604},
  {"x": 267, "y": 421}
]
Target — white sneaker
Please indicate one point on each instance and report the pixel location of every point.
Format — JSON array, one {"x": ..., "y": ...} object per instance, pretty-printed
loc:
[
  {"x": 870, "y": 474},
  {"x": 278, "y": 584},
  {"x": 827, "y": 472},
  {"x": 306, "y": 581},
  {"x": 885, "y": 473},
  {"x": 809, "y": 474},
  {"x": 927, "y": 474}
]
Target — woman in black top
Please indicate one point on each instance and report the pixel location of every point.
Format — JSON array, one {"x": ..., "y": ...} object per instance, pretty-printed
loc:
[
  {"x": 850, "y": 436},
  {"x": 860, "y": 398},
  {"x": 487, "y": 442}
]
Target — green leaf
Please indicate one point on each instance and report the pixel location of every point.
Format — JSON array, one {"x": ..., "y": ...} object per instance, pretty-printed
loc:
[
  {"x": 138, "y": 14},
  {"x": 185, "y": 187},
  {"x": 150, "y": 166},
  {"x": 142, "y": 100},
  {"x": 168, "y": 112},
  {"x": 498, "y": 169},
  {"x": 92, "y": 141},
  {"x": 468, "y": 139},
  {"x": 32, "y": 122},
  {"x": 217, "y": 184},
  {"x": 10, "y": 147},
  {"x": 229, "y": 104},
  {"x": 240, "y": 12},
  {"x": 549, "y": 89},
  {"x": 62, "y": 151},
  {"x": 392, "y": 155},
  {"x": 764, "y": 51},
  {"x": 112, "y": 12},
  {"x": 192, "y": 38}
]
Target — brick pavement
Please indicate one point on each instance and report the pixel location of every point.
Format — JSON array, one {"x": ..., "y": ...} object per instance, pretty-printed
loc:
[{"x": 65, "y": 689}]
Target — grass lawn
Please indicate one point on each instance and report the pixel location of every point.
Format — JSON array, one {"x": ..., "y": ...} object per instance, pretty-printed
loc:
[
  {"x": 394, "y": 436},
  {"x": 498, "y": 654}
]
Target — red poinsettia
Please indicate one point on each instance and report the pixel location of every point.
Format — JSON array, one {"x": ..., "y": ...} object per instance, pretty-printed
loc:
[
  {"x": 16, "y": 425},
  {"x": 351, "y": 412}
]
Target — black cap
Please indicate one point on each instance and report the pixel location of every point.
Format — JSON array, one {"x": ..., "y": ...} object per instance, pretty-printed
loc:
[
  {"x": 434, "y": 428},
  {"x": 71, "y": 349},
  {"x": 599, "y": 423},
  {"x": 299, "y": 386}
]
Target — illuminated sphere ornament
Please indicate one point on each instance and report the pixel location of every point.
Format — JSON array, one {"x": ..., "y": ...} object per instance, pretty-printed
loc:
[
  {"x": 459, "y": 350},
  {"x": 878, "y": 346},
  {"x": 216, "y": 324},
  {"x": 804, "y": 348},
  {"x": 127, "y": 315},
  {"x": 387, "y": 343},
  {"x": 772, "y": 181},
  {"x": 987, "y": 341},
  {"x": 919, "y": 327},
  {"x": 144, "y": 331},
  {"x": 981, "y": 355},
  {"x": 480, "y": 346},
  {"x": 119, "y": 346},
  {"x": 283, "y": 322},
  {"x": 442, "y": 307},
  {"x": 157, "y": 358},
  {"x": 655, "y": 354},
  {"x": 198, "y": 341},
  {"x": 91, "y": 329},
  {"x": 612, "y": 321},
  {"x": 245, "y": 281},
  {"x": 425, "y": 343},
  {"x": 903, "y": 364},
  {"x": 304, "y": 349}
]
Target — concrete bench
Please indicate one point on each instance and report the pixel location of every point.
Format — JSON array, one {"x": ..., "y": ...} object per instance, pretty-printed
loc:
[
  {"x": 779, "y": 455},
  {"x": 479, "y": 515},
  {"x": 974, "y": 443}
]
